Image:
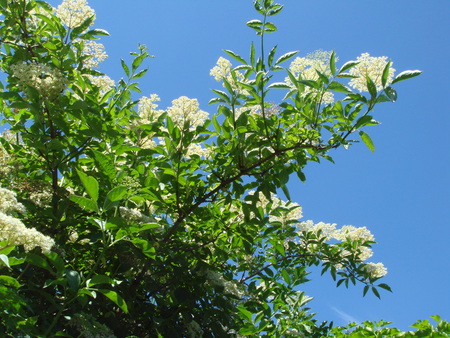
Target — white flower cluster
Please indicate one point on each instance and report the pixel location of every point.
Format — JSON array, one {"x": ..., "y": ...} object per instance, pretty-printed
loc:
[
  {"x": 104, "y": 82},
  {"x": 279, "y": 211},
  {"x": 74, "y": 12},
  {"x": 371, "y": 67},
  {"x": 9, "y": 204},
  {"x": 94, "y": 53},
  {"x": 147, "y": 109},
  {"x": 47, "y": 81},
  {"x": 222, "y": 71},
  {"x": 375, "y": 270},
  {"x": 306, "y": 68},
  {"x": 134, "y": 215},
  {"x": 326, "y": 230},
  {"x": 186, "y": 110},
  {"x": 230, "y": 288},
  {"x": 13, "y": 231}
]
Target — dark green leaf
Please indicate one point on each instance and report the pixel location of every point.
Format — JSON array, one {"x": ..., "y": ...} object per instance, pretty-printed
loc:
[
  {"x": 385, "y": 76},
  {"x": 100, "y": 279},
  {"x": 339, "y": 87},
  {"x": 407, "y": 74},
  {"x": 90, "y": 184},
  {"x": 347, "y": 66},
  {"x": 285, "y": 57},
  {"x": 391, "y": 93},
  {"x": 116, "y": 298},
  {"x": 73, "y": 278},
  {"x": 125, "y": 67},
  {"x": 85, "y": 203},
  {"x": 236, "y": 56},
  {"x": 271, "y": 56},
  {"x": 333, "y": 63}
]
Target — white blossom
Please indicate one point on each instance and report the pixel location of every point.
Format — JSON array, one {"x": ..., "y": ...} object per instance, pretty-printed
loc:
[
  {"x": 371, "y": 67},
  {"x": 14, "y": 232},
  {"x": 74, "y": 12},
  {"x": 47, "y": 81},
  {"x": 375, "y": 270},
  {"x": 187, "y": 110},
  {"x": 222, "y": 71},
  {"x": 307, "y": 67}
]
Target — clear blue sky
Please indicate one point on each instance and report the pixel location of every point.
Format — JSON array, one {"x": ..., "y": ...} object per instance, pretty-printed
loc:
[{"x": 401, "y": 192}]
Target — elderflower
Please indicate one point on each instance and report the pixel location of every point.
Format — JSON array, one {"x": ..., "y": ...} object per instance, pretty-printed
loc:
[
  {"x": 47, "y": 81},
  {"x": 74, "y": 12},
  {"x": 94, "y": 54},
  {"x": 326, "y": 230},
  {"x": 14, "y": 232},
  {"x": 214, "y": 280},
  {"x": 371, "y": 67},
  {"x": 375, "y": 270},
  {"x": 147, "y": 109},
  {"x": 104, "y": 82},
  {"x": 222, "y": 71},
  {"x": 186, "y": 110},
  {"x": 306, "y": 68},
  {"x": 9, "y": 204},
  {"x": 356, "y": 235}
]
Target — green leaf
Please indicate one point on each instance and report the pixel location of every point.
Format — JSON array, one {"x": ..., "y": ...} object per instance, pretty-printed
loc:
[
  {"x": 271, "y": 56},
  {"x": 90, "y": 184},
  {"x": 252, "y": 54},
  {"x": 105, "y": 164},
  {"x": 391, "y": 93},
  {"x": 145, "y": 246},
  {"x": 339, "y": 87},
  {"x": 114, "y": 195},
  {"x": 385, "y": 76},
  {"x": 285, "y": 57},
  {"x": 140, "y": 74},
  {"x": 57, "y": 262},
  {"x": 255, "y": 24},
  {"x": 74, "y": 279},
  {"x": 100, "y": 279},
  {"x": 376, "y": 293},
  {"x": 236, "y": 56},
  {"x": 116, "y": 298},
  {"x": 9, "y": 281},
  {"x": 385, "y": 286},
  {"x": 269, "y": 27},
  {"x": 333, "y": 63},
  {"x": 85, "y": 203},
  {"x": 371, "y": 87},
  {"x": 282, "y": 85},
  {"x": 39, "y": 261},
  {"x": 367, "y": 140},
  {"x": 275, "y": 9},
  {"x": 125, "y": 67},
  {"x": 407, "y": 74},
  {"x": 5, "y": 260},
  {"x": 347, "y": 66},
  {"x": 366, "y": 288}
]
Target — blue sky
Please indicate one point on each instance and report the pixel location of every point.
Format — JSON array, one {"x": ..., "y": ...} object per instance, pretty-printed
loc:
[{"x": 401, "y": 192}]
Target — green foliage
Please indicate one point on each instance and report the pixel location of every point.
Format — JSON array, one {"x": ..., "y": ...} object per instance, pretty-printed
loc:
[{"x": 166, "y": 223}]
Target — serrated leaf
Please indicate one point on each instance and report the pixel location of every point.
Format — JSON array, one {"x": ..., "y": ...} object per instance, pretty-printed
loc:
[
  {"x": 90, "y": 184},
  {"x": 236, "y": 56},
  {"x": 255, "y": 24},
  {"x": 385, "y": 286},
  {"x": 347, "y": 66},
  {"x": 385, "y": 73},
  {"x": 376, "y": 293},
  {"x": 333, "y": 63},
  {"x": 282, "y": 85},
  {"x": 140, "y": 74},
  {"x": 105, "y": 164},
  {"x": 269, "y": 27},
  {"x": 85, "y": 203},
  {"x": 407, "y": 74},
  {"x": 275, "y": 9},
  {"x": 371, "y": 87},
  {"x": 271, "y": 56},
  {"x": 367, "y": 140},
  {"x": 366, "y": 288},
  {"x": 285, "y": 57},
  {"x": 125, "y": 67},
  {"x": 339, "y": 87}
]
